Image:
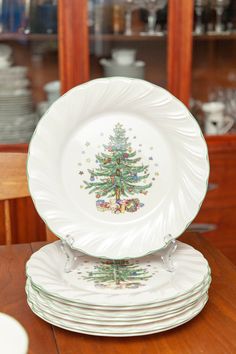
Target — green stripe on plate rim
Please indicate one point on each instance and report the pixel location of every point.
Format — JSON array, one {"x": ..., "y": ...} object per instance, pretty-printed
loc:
[
  {"x": 119, "y": 334},
  {"x": 152, "y": 251},
  {"x": 69, "y": 311},
  {"x": 187, "y": 292}
]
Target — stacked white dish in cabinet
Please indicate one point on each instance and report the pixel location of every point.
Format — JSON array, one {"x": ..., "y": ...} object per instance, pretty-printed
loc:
[
  {"x": 17, "y": 116},
  {"x": 118, "y": 169}
]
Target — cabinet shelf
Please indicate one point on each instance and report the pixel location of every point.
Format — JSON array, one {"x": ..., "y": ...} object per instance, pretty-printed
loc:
[
  {"x": 124, "y": 38},
  {"x": 215, "y": 37},
  {"x": 26, "y": 37},
  {"x": 112, "y": 37},
  {"x": 138, "y": 37}
]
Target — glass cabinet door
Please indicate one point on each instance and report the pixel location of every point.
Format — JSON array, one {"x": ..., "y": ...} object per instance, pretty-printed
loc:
[
  {"x": 28, "y": 66},
  {"x": 213, "y": 68},
  {"x": 128, "y": 38}
]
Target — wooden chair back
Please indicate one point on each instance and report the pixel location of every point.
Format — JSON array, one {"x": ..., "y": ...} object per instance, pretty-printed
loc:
[{"x": 13, "y": 185}]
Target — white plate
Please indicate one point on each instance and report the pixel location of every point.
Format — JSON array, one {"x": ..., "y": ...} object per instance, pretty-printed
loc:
[
  {"x": 15, "y": 139},
  {"x": 163, "y": 167},
  {"x": 103, "y": 283},
  {"x": 5, "y": 51},
  {"x": 13, "y": 115},
  {"x": 17, "y": 71},
  {"x": 17, "y": 129},
  {"x": 15, "y": 93},
  {"x": 121, "y": 312},
  {"x": 116, "y": 324},
  {"x": 13, "y": 338},
  {"x": 12, "y": 111},
  {"x": 13, "y": 84},
  {"x": 108, "y": 316},
  {"x": 136, "y": 330},
  {"x": 22, "y": 136}
]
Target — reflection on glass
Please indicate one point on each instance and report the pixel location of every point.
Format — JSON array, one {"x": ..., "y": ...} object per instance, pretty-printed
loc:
[
  {"x": 43, "y": 16},
  {"x": 219, "y": 6},
  {"x": 199, "y": 8},
  {"x": 25, "y": 16},
  {"x": 153, "y": 6},
  {"x": 130, "y": 6}
]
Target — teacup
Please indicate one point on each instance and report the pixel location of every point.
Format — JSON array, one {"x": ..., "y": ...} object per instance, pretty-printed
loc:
[
  {"x": 52, "y": 90},
  {"x": 124, "y": 56},
  {"x": 215, "y": 121}
]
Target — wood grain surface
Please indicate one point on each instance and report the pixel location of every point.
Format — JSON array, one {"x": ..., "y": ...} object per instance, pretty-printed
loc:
[
  {"x": 212, "y": 332},
  {"x": 219, "y": 206},
  {"x": 13, "y": 298},
  {"x": 13, "y": 181},
  {"x": 73, "y": 43},
  {"x": 179, "y": 55}
]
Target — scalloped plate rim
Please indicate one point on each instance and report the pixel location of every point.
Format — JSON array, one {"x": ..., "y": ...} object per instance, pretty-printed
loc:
[{"x": 164, "y": 243}]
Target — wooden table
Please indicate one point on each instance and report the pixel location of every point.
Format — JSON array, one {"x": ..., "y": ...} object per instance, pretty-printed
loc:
[{"x": 213, "y": 331}]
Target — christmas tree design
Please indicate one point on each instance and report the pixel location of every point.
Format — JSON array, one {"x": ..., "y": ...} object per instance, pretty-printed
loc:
[
  {"x": 118, "y": 275},
  {"x": 119, "y": 174}
]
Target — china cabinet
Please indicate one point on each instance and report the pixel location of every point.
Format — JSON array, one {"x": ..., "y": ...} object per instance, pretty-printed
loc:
[
  {"x": 192, "y": 55},
  {"x": 213, "y": 79}
]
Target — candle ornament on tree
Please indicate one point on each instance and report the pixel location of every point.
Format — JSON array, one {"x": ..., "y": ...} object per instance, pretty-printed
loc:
[{"x": 120, "y": 173}]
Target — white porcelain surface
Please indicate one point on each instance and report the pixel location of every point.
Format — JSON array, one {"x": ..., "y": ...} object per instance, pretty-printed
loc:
[
  {"x": 123, "y": 331},
  {"x": 113, "y": 324},
  {"x": 119, "y": 312},
  {"x": 52, "y": 90},
  {"x": 112, "y": 63},
  {"x": 52, "y": 86},
  {"x": 215, "y": 125},
  {"x": 14, "y": 71},
  {"x": 95, "y": 282},
  {"x": 117, "y": 316},
  {"x": 17, "y": 118},
  {"x": 4, "y": 64},
  {"x": 5, "y": 51},
  {"x": 21, "y": 83},
  {"x": 124, "y": 56},
  {"x": 13, "y": 337},
  {"x": 111, "y": 68},
  {"x": 42, "y": 108},
  {"x": 213, "y": 107},
  {"x": 165, "y": 138},
  {"x": 215, "y": 120}
]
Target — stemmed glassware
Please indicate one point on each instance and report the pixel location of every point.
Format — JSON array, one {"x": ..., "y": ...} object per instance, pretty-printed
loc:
[
  {"x": 153, "y": 6},
  {"x": 130, "y": 6},
  {"x": 219, "y": 6},
  {"x": 28, "y": 5},
  {"x": 226, "y": 96},
  {"x": 199, "y": 8}
]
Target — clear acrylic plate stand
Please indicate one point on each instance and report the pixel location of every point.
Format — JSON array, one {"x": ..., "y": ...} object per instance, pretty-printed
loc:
[{"x": 72, "y": 257}]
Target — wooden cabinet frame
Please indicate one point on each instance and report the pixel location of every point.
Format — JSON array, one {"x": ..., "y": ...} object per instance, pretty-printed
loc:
[{"x": 74, "y": 45}]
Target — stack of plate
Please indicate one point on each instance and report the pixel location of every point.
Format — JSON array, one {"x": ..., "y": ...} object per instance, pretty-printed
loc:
[
  {"x": 17, "y": 117},
  {"x": 117, "y": 178},
  {"x": 5, "y": 56},
  {"x": 124, "y": 298}
]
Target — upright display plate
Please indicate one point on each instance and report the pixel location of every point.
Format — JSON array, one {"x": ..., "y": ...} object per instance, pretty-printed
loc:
[{"x": 117, "y": 167}]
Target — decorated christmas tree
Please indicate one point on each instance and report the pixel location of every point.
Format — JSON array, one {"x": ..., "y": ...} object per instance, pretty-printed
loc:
[
  {"x": 118, "y": 274},
  {"x": 119, "y": 174}
]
